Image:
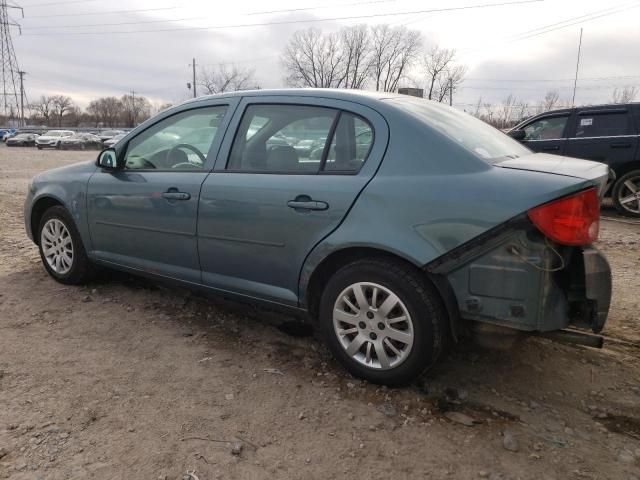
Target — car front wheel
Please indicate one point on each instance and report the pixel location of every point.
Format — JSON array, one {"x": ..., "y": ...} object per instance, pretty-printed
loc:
[
  {"x": 626, "y": 194},
  {"x": 61, "y": 249},
  {"x": 383, "y": 321}
]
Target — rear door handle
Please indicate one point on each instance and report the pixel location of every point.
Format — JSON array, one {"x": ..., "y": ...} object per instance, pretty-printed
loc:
[
  {"x": 305, "y": 202},
  {"x": 549, "y": 147},
  {"x": 175, "y": 195},
  {"x": 620, "y": 145}
]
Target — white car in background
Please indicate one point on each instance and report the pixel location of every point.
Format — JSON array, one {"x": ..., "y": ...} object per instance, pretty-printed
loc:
[
  {"x": 113, "y": 140},
  {"x": 109, "y": 134},
  {"x": 51, "y": 139}
]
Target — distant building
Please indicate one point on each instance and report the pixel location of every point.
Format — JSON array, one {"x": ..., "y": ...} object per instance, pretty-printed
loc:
[{"x": 414, "y": 92}]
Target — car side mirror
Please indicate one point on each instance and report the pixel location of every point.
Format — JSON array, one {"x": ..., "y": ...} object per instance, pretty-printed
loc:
[
  {"x": 517, "y": 134},
  {"x": 108, "y": 159}
]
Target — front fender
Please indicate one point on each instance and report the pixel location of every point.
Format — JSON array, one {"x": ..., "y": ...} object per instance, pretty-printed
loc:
[{"x": 70, "y": 192}]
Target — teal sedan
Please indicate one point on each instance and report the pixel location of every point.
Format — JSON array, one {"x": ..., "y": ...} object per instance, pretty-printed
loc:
[{"x": 408, "y": 223}]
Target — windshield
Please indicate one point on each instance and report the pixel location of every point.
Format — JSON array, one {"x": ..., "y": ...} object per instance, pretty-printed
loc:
[
  {"x": 53, "y": 133},
  {"x": 480, "y": 138}
]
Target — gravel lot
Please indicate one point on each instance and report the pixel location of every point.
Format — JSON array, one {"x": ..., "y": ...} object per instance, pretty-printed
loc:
[{"x": 125, "y": 378}]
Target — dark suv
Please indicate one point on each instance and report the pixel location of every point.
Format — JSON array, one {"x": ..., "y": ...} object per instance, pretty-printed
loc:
[{"x": 604, "y": 133}]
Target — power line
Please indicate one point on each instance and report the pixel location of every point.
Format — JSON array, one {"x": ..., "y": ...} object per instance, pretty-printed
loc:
[
  {"x": 563, "y": 24},
  {"x": 139, "y": 22},
  {"x": 549, "y": 79},
  {"x": 288, "y": 22},
  {"x": 105, "y": 12},
  {"x": 303, "y": 9},
  {"x": 67, "y": 2}
]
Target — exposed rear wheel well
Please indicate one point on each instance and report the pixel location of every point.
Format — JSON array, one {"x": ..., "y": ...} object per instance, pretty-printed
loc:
[
  {"x": 41, "y": 206},
  {"x": 339, "y": 259}
]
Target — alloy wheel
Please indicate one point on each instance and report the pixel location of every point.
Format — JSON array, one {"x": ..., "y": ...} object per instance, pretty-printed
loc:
[
  {"x": 373, "y": 325},
  {"x": 57, "y": 246},
  {"x": 629, "y": 195}
]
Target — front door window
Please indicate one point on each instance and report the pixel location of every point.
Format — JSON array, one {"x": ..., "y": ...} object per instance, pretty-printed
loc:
[
  {"x": 549, "y": 128},
  {"x": 180, "y": 142}
]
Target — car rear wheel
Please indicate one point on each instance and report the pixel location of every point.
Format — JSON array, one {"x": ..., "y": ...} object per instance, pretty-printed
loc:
[
  {"x": 61, "y": 249},
  {"x": 626, "y": 194},
  {"x": 382, "y": 320}
]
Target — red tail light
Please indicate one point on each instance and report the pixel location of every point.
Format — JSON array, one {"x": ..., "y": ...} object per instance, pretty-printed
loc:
[{"x": 572, "y": 220}]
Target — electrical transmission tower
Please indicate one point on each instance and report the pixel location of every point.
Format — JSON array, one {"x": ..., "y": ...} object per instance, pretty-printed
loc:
[{"x": 12, "y": 101}]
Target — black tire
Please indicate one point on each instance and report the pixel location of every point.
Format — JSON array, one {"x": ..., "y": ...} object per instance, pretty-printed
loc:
[
  {"x": 81, "y": 270},
  {"x": 618, "y": 189},
  {"x": 39, "y": 147},
  {"x": 422, "y": 302}
]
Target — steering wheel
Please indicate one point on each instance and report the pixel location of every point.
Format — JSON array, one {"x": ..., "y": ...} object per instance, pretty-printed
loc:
[{"x": 188, "y": 147}]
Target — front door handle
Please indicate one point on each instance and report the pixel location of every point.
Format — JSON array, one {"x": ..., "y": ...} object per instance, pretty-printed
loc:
[
  {"x": 172, "y": 194},
  {"x": 305, "y": 202},
  {"x": 549, "y": 147},
  {"x": 620, "y": 145}
]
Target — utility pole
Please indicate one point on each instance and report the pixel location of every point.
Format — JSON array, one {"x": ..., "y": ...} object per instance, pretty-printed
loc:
[
  {"x": 9, "y": 70},
  {"x": 193, "y": 65},
  {"x": 451, "y": 92},
  {"x": 575, "y": 81},
  {"x": 133, "y": 108},
  {"x": 21, "y": 73}
]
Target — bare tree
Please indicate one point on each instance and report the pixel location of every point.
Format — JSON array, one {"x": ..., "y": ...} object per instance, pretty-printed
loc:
[
  {"x": 435, "y": 63},
  {"x": 551, "y": 100},
  {"x": 443, "y": 76},
  {"x": 624, "y": 95},
  {"x": 314, "y": 59},
  {"x": 43, "y": 108},
  {"x": 227, "y": 78},
  {"x": 106, "y": 110},
  {"x": 61, "y": 105},
  {"x": 356, "y": 47},
  {"x": 135, "y": 109},
  {"x": 393, "y": 51}
]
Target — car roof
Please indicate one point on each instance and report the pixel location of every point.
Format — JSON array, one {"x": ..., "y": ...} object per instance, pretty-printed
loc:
[
  {"x": 602, "y": 106},
  {"x": 335, "y": 93}
]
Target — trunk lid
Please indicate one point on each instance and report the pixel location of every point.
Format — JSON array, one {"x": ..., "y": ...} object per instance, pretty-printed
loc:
[{"x": 596, "y": 172}]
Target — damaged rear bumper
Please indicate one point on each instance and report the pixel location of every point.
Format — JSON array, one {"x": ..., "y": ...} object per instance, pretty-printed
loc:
[{"x": 517, "y": 278}]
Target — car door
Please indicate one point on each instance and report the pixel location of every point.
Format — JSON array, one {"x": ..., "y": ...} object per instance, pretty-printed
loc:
[
  {"x": 282, "y": 183},
  {"x": 144, "y": 215},
  {"x": 547, "y": 134},
  {"x": 604, "y": 135}
]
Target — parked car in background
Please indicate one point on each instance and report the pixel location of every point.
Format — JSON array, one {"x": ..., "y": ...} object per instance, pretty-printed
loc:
[
  {"x": 22, "y": 140},
  {"x": 52, "y": 138},
  {"x": 81, "y": 141},
  {"x": 606, "y": 133},
  {"x": 441, "y": 223},
  {"x": 113, "y": 140},
  {"x": 6, "y": 133},
  {"x": 109, "y": 134}
]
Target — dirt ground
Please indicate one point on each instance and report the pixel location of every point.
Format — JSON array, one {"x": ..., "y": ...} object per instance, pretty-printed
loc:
[{"x": 125, "y": 378}]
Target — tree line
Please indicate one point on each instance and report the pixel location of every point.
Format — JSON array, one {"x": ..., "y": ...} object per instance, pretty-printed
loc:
[
  {"x": 61, "y": 111},
  {"x": 379, "y": 57}
]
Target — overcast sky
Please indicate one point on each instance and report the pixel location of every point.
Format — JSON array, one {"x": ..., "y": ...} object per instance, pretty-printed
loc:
[{"x": 70, "y": 47}]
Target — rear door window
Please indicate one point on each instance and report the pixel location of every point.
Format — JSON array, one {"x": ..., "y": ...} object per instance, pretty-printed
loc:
[
  {"x": 603, "y": 124},
  {"x": 299, "y": 139}
]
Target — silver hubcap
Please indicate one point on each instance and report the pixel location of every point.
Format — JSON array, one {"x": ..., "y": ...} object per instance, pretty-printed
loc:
[
  {"x": 373, "y": 325},
  {"x": 57, "y": 246},
  {"x": 629, "y": 195}
]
